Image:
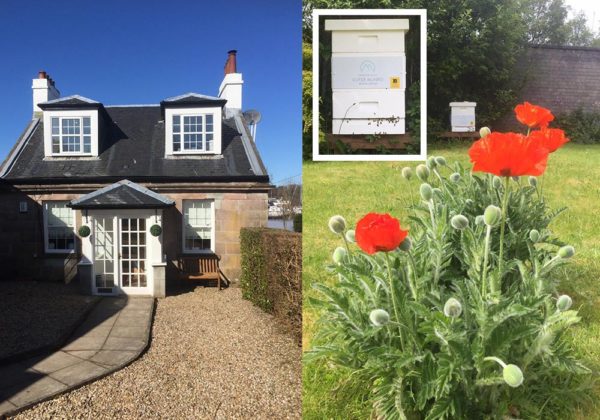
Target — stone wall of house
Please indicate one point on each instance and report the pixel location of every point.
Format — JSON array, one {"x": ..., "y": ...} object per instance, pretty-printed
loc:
[
  {"x": 233, "y": 210},
  {"x": 559, "y": 78}
]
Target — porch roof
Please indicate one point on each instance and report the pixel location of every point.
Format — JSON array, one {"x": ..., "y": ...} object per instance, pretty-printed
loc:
[{"x": 122, "y": 195}]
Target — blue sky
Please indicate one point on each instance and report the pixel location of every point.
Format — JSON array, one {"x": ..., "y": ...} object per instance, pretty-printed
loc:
[{"x": 139, "y": 52}]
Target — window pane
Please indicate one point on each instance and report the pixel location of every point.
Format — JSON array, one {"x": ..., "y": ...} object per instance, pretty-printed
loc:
[
  {"x": 209, "y": 142},
  {"x": 176, "y": 124},
  {"x": 55, "y": 144},
  {"x": 198, "y": 224},
  {"x": 60, "y": 223},
  {"x": 87, "y": 144},
  {"x": 209, "y": 123},
  {"x": 176, "y": 142},
  {"x": 86, "y": 125},
  {"x": 55, "y": 128}
]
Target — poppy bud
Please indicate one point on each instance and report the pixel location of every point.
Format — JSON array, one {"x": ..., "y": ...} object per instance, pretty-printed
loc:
[
  {"x": 566, "y": 251},
  {"x": 440, "y": 160},
  {"x": 339, "y": 254},
  {"x": 337, "y": 224},
  {"x": 379, "y": 317},
  {"x": 407, "y": 173},
  {"x": 455, "y": 177},
  {"x": 437, "y": 192},
  {"x": 422, "y": 172},
  {"x": 350, "y": 236},
  {"x": 492, "y": 215},
  {"x": 459, "y": 222},
  {"x": 497, "y": 182},
  {"x": 431, "y": 163},
  {"x": 532, "y": 181},
  {"x": 479, "y": 220},
  {"x": 406, "y": 244},
  {"x": 452, "y": 308},
  {"x": 426, "y": 192},
  {"x": 564, "y": 302},
  {"x": 534, "y": 236},
  {"x": 484, "y": 131},
  {"x": 512, "y": 375},
  {"x": 469, "y": 202}
]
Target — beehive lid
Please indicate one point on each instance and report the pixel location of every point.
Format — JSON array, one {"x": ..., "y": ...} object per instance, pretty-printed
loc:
[
  {"x": 465, "y": 104},
  {"x": 366, "y": 25}
]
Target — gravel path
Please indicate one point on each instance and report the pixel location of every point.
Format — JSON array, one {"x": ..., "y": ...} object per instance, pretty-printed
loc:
[
  {"x": 212, "y": 355},
  {"x": 36, "y": 314}
]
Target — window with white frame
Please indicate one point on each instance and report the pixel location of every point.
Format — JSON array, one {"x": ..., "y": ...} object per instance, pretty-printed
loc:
[
  {"x": 71, "y": 135},
  {"x": 193, "y": 133},
  {"x": 59, "y": 226},
  {"x": 198, "y": 225}
]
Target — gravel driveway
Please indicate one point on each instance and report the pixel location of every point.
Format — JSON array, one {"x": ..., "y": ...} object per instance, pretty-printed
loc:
[{"x": 212, "y": 355}]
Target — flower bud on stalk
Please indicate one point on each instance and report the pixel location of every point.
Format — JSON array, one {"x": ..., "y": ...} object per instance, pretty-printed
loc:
[
  {"x": 426, "y": 192},
  {"x": 440, "y": 160},
  {"x": 431, "y": 163},
  {"x": 379, "y": 317},
  {"x": 437, "y": 192},
  {"x": 452, "y": 308},
  {"x": 479, "y": 220},
  {"x": 455, "y": 177},
  {"x": 532, "y": 181},
  {"x": 339, "y": 254},
  {"x": 534, "y": 236},
  {"x": 407, "y": 173},
  {"x": 406, "y": 244},
  {"x": 512, "y": 375},
  {"x": 422, "y": 172},
  {"x": 497, "y": 182},
  {"x": 350, "y": 236},
  {"x": 337, "y": 224},
  {"x": 459, "y": 222},
  {"x": 492, "y": 215},
  {"x": 484, "y": 131},
  {"x": 469, "y": 202},
  {"x": 563, "y": 303},
  {"x": 566, "y": 251}
]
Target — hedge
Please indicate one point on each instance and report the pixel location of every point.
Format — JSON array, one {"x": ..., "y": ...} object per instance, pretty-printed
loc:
[{"x": 272, "y": 273}]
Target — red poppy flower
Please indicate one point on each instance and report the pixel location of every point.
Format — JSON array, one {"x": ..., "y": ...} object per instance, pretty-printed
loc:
[
  {"x": 533, "y": 115},
  {"x": 379, "y": 232},
  {"x": 508, "y": 154},
  {"x": 551, "y": 138}
]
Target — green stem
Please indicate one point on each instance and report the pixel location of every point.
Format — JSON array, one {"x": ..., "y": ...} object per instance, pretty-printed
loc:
[
  {"x": 412, "y": 282},
  {"x": 343, "y": 234},
  {"x": 486, "y": 255},
  {"x": 495, "y": 359},
  {"x": 393, "y": 296},
  {"x": 502, "y": 228}
]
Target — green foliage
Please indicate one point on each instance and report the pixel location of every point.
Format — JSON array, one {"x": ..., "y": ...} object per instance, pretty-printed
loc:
[
  {"x": 298, "y": 222},
  {"x": 155, "y": 230},
  {"x": 84, "y": 231},
  {"x": 271, "y": 273},
  {"x": 424, "y": 364},
  {"x": 581, "y": 126}
]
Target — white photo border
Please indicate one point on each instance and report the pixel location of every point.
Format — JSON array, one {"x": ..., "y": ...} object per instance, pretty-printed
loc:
[{"x": 317, "y": 13}]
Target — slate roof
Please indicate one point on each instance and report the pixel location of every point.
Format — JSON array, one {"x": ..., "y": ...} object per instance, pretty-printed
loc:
[
  {"x": 132, "y": 146},
  {"x": 193, "y": 99},
  {"x": 73, "y": 101},
  {"x": 122, "y": 194}
]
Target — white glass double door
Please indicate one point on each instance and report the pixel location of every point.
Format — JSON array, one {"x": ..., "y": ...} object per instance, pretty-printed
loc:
[{"x": 120, "y": 248}]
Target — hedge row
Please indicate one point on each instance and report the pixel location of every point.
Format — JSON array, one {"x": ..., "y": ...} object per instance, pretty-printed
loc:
[{"x": 272, "y": 273}]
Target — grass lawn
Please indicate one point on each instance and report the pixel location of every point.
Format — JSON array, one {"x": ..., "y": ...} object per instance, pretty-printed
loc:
[{"x": 353, "y": 189}]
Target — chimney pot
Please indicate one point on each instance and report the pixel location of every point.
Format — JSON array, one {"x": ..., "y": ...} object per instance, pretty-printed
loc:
[
  {"x": 42, "y": 74},
  {"x": 230, "y": 64}
]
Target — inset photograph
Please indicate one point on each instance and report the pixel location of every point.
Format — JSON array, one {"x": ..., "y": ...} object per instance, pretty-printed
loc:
[{"x": 369, "y": 84}]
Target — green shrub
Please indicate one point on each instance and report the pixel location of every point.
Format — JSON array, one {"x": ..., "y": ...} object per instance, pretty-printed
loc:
[
  {"x": 437, "y": 331},
  {"x": 271, "y": 273},
  {"x": 298, "y": 222},
  {"x": 581, "y": 126}
]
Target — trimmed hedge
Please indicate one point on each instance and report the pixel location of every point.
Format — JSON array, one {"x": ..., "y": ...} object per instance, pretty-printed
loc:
[
  {"x": 298, "y": 223},
  {"x": 272, "y": 273},
  {"x": 581, "y": 126}
]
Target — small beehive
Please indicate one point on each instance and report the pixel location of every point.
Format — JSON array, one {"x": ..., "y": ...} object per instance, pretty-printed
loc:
[
  {"x": 462, "y": 116},
  {"x": 368, "y": 75}
]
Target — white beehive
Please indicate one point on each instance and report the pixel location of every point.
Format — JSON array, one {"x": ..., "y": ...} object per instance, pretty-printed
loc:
[
  {"x": 462, "y": 116},
  {"x": 368, "y": 75}
]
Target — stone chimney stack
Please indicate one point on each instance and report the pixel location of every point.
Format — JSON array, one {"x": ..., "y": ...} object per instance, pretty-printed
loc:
[
  {"x": 231, "y": 86},
  {"x": 43, "y": 90}
]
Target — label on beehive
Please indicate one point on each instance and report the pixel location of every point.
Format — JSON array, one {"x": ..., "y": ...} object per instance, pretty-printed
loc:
[{"x": 374, "y": 72}]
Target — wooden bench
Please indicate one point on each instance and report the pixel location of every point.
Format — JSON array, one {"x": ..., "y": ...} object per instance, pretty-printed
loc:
[{"x": 200, "y": 267}]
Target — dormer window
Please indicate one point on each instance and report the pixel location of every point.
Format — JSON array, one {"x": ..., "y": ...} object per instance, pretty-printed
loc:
[
  {"x": 71, "y": 135},
  {"x": 193, "y": 133},
  {"x": 193, "y": 124}
]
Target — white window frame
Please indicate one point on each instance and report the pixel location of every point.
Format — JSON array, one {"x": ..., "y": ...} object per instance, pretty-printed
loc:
[
  {"x": 60, "y": 136},
  {"x": 45, "y": 210},
  {"x": 216, "y": 113},
  {"x": 184, "y": 228},
  {"x": 78, "y": 114}
]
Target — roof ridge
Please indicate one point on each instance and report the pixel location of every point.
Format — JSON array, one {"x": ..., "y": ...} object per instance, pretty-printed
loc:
[{"x": 66, "y": 98}]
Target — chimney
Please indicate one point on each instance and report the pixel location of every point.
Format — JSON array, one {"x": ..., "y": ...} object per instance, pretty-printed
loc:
[
  {"x": 43, "y": 90},
  {"x": 231, "y": 86}
]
